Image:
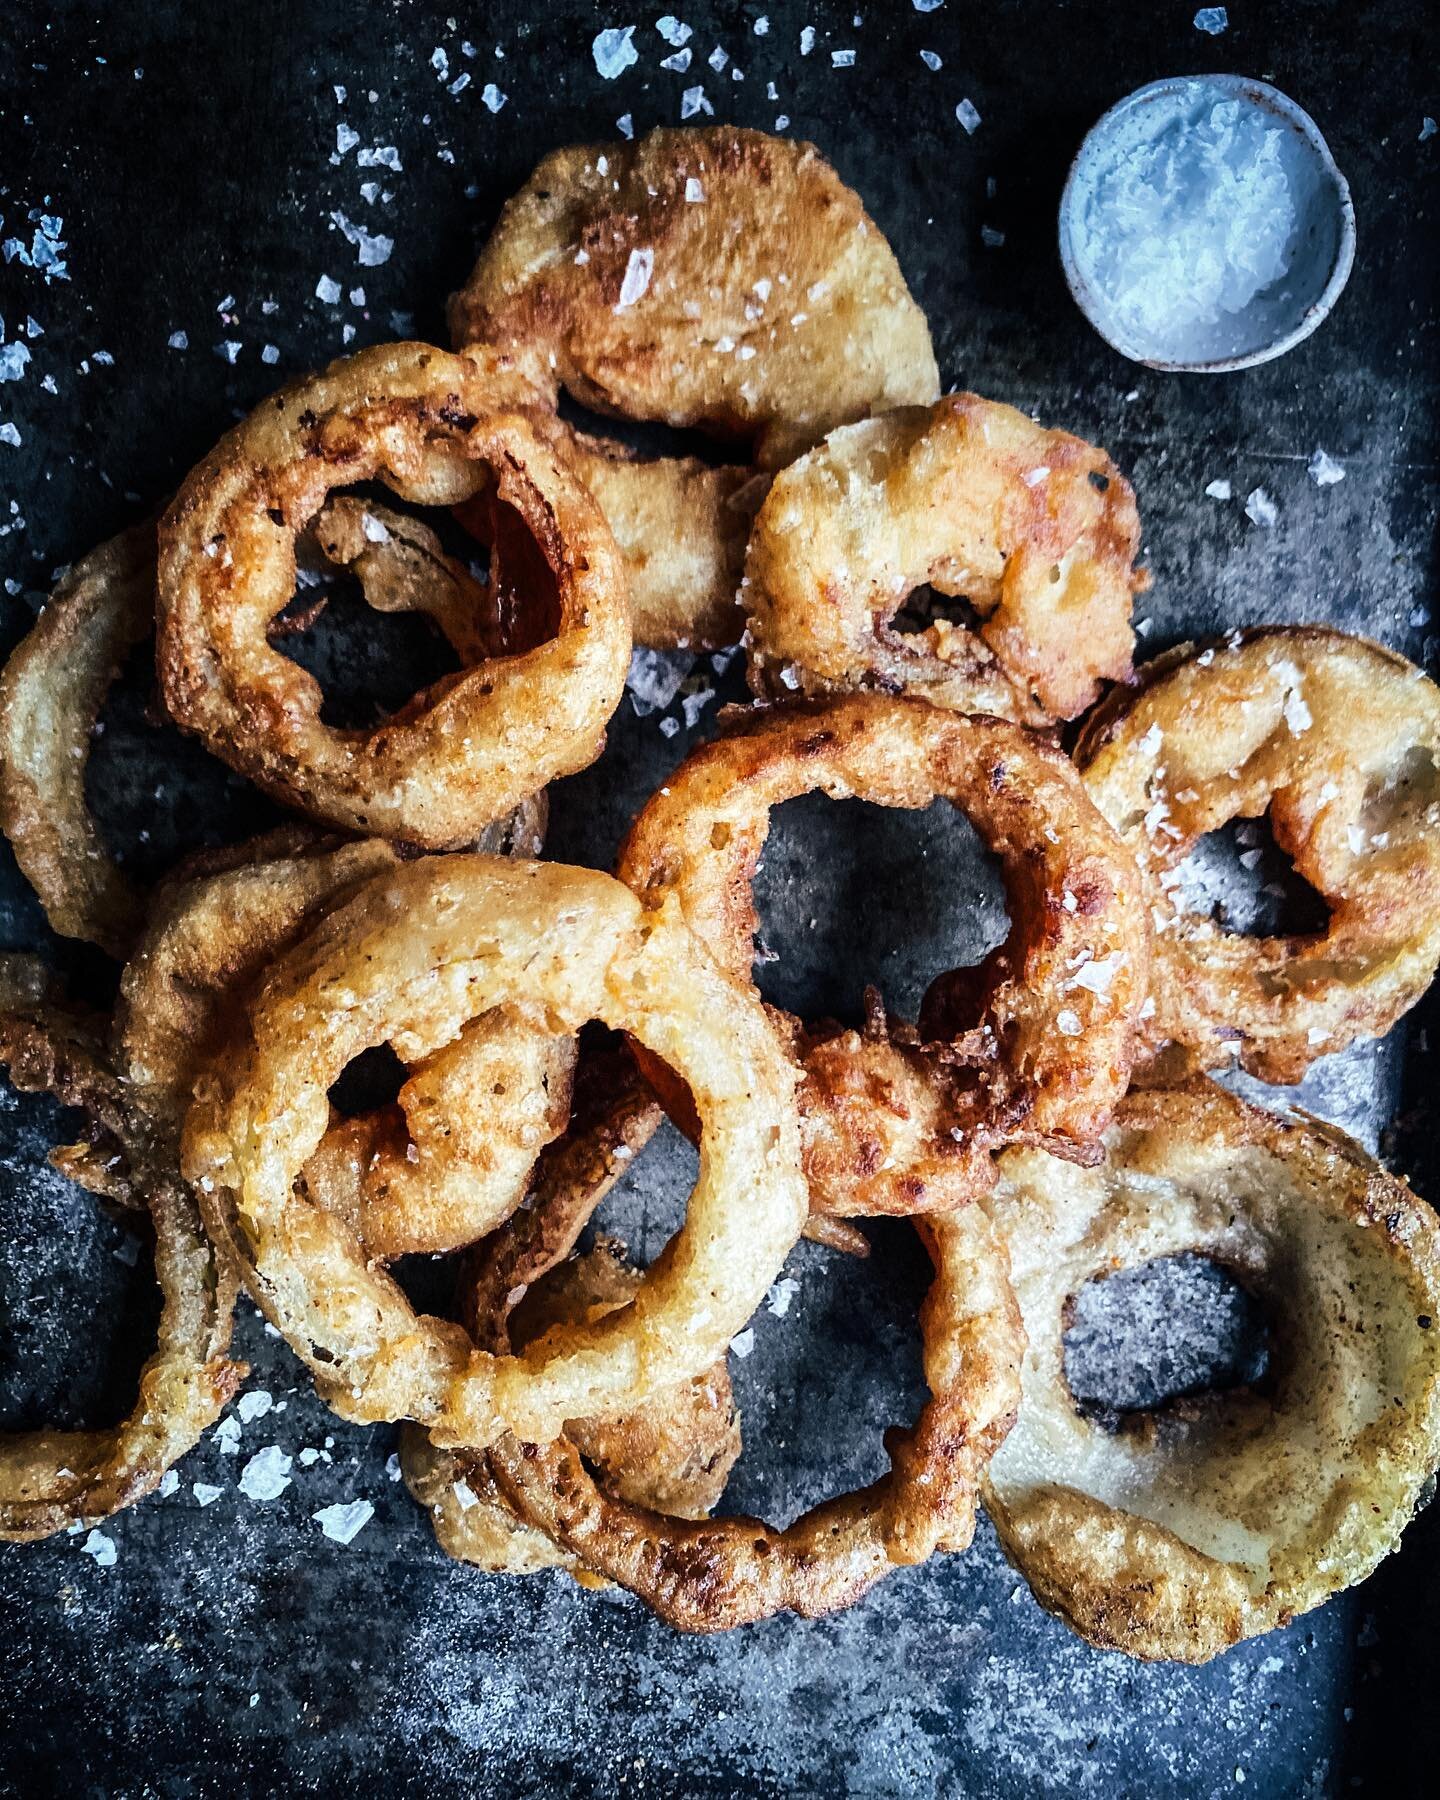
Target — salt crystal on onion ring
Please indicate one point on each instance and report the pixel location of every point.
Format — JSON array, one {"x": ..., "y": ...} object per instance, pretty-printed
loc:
[
  {"x": 718, "y": 278},
  {"x": 1042, "y": 1037},
  {"x": 1183, "y": 1532},
  {"x": 1339, "y": 740},
  {"x": 415, "y": 956},
  {"x": 53, "y": 1480},
  {"x": 1036, "y": 529},
  {"x": 438, "y": 429}
]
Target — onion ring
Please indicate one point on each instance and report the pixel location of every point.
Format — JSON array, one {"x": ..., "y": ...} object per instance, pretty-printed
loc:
[
  {"x": 54, "y": 1480},
  {"x": 435, "y": 1171},
  {"x": 715, "y": 1574},
  {"x": 475, "y": 744},
  {"x": 717, "y": 278},
  {"x": 51, "y": 693},
  {"x": 673, "y": 1452},
  {"x": 1037, "y": 529},
  {"x": 1226, "y": 1518},
  {"x": 1040, "y": 1042},
  {"x": 414, "y": 957},
  {"x": 1340, "y": 741}
]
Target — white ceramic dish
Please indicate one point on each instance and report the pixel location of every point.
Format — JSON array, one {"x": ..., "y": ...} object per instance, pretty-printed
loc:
[{"x": 1279, "y": 316}]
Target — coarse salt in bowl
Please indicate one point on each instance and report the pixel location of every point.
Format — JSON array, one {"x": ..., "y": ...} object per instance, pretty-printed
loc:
[{"x": 1205, "y": 226}]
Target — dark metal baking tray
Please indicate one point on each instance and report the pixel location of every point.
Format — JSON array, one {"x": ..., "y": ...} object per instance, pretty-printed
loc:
[{"x": 189, "y": 152}]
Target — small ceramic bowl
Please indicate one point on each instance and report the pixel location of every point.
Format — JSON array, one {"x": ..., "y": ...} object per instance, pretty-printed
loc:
[{"x": 1280, "y": 315}]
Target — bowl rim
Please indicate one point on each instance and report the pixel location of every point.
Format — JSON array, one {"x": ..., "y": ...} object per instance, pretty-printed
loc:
[{"x": 1265, "y": 94}]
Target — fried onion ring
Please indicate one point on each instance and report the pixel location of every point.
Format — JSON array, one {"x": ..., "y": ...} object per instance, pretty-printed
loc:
[
  {"x": 51, "y": 693},
  {"x": 410, "y": 960},
  {"x": 1340, "y": 741},
  {"x": 1036, "y": 529},
  {"x": 434, "y": 1172},
  {"x": 1187, "y": 1530},
  {"x": 673, "y": 1452},
  {"x": 1041, "y": 1040},
  {"x": 475, "y": 744},
  {"x": 715, "y": 1574},
  {"x": 718, "y": 278},
  {"x": 53, "y": 1480}
]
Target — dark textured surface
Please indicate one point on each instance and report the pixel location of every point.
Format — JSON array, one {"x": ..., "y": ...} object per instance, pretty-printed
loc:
[{"x": 235, "y": 1648}]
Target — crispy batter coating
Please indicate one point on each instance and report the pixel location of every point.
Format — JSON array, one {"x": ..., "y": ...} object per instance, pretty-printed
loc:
[
  {"x": 714, "y": 1574},
  {"x": 1043, "y": 1038},
  {"x": 717, "y": 278},
  {"x": 1189, "y": 1529},
  {"x": 1036, "y": 529},
  {"x": 53, "y": 1480},
  {"x": 676, "y": 1450},
  {"x": 50, "y": 697},
  {"x": 1339, "y": 740},
  {"x": 410, "y": 960},
  {"x": 438, "y": 429},
  {"x": 434, "y": 1172}
]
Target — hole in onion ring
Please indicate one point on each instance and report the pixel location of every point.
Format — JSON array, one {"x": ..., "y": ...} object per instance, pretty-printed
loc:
[
  {"x": 1238, "y": 876},
  {"x": 1140, "y": 1339},
  {"x": 923, "y": 605},
  {"x": 78, "y": 1299},
  {"x": 373, "y": 1079},
  {"x": 905, "y": 896}
]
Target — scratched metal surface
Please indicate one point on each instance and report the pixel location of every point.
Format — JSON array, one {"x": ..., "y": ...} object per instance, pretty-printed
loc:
[{"x": 235, "y": 1648}]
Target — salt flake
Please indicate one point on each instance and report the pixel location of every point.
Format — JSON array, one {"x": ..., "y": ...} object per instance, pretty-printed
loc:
[
  {"x": 1323, "y": 469},
  {"x": 1212, "y": 20},
  {"x": 1218, "y": 490},
  {"x": 345, "y": 1520},
  {"x": 102, "y": 1548},
  {"x": 492, "y": 97},
  {"x": 267, "y": 1475},
  {"x": 637, "y": 277},
  {"x": 965, "y": 112},
  {"x": 693, "y": 101},
  {"x": 1260, "y": 509},
  {"x": 673, "y": 31},
  {"x": 614, "y": 50}
]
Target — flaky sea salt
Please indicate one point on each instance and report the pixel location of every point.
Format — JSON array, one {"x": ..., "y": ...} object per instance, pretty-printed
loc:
[
  {"x": 638, "y": 271},
  {"x": 205, "y": 1493},
  {"x": 967, "y": 115},
  {"x": 345, "y": 1520},
  {"x": 327, "y": 289},
  {"x": 267, "y": 1475},
  {"x": 930, "y": 59},
  {"x": 743, "y": 1342},
  {"x": 254, "y": 1405},
  {"x": 614, "y": 50},
  {"x": 102, "y": 1548},
  {"x": 1323, "y": 469},
  {"x": 1218, "y": 490},
  {"x": 1260, "y": 509},
  {"x": 693, "y": 101},
  {"x": 779, "y": 1298},
  {"x": 677, "y": 63},
  {"x": 1191, "y": 217},
  {"x": 371, "y": 249},
  {"x": 625, "y": 125},
  {"x": 807, "y": 39},
  {"x": 1212, "y": 20},
  {"x": 673, "y": 30}
]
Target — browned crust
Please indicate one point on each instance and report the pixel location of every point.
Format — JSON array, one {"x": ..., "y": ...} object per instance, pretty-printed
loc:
[
  {"x": 747, "y": 356},
  {"x": 1338, "y": 739},
  {"x": 892, "y": 1125},
  {"x": 438, "y": 428},
  {"x": 51, "y": 693},
  {"x": 1037, "y": 529}
]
